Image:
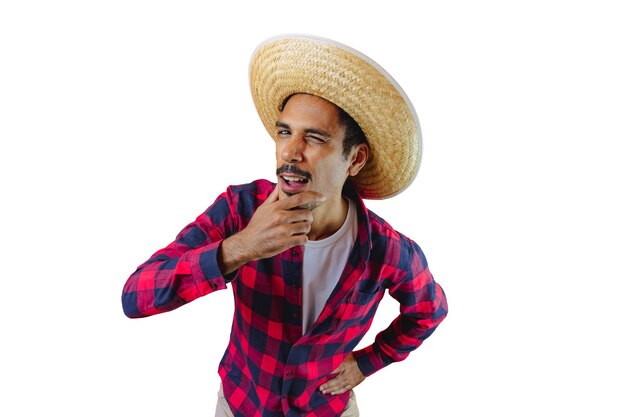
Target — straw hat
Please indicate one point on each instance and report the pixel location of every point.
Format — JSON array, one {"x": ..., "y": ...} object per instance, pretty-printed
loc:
[{"x": 289, "y": 64}]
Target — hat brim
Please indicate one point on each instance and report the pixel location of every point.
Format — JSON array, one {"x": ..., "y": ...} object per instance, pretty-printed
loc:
[{"x": 290, "y": 64}]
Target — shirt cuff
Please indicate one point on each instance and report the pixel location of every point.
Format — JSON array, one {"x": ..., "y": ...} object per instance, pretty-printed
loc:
[
  {"x": 371, "y": 359},
  {"x": 205, "y": 269}
]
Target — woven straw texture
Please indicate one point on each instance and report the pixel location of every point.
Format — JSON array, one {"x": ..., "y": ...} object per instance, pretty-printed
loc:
[{"x": 300, "y": 64}]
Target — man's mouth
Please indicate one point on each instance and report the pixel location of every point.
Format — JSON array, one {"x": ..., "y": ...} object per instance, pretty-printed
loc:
[
  {"x": 294, "y": 179},
  {"x": 289, "y": 179},
  {"x": 292, "y": 185}
]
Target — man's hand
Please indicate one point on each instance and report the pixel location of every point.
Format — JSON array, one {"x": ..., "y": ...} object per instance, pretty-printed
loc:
[
  {"x": 276, "y": 226},
  {"x": 348, "y": 376}
]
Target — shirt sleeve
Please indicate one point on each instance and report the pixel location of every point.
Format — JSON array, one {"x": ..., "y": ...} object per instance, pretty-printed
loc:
[
  {"x": 186, "y": 268},
  {"x": 423, "y": 306}
]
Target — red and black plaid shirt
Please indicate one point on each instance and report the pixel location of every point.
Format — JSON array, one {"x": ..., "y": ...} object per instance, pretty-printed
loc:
[{"x": 270, "y": 368}]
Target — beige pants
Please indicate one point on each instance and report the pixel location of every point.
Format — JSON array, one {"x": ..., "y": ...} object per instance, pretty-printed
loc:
[{"x": 222, "y": 409}]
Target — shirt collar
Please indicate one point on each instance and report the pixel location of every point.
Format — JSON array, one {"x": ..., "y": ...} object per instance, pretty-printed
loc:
[{"x": 364, "y": 235}]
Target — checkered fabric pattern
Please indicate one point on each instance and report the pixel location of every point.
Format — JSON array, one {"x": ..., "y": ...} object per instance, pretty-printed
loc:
[{"x": 270, "y": 368}]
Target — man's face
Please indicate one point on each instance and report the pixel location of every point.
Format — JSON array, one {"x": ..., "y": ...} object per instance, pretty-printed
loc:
[{"x": 309, "y": 148}]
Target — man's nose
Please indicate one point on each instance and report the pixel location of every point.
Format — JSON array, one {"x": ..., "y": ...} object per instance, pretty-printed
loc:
[{"x": 292, "y": 152}]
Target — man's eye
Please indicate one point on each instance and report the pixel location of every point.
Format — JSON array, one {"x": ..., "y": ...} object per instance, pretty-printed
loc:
[
  {"x": 282, "y": 132},
  {"x": 315, "y": 139}
]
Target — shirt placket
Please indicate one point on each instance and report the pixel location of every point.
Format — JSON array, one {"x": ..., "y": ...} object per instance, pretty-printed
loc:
[{"x": 292, "y": 273}]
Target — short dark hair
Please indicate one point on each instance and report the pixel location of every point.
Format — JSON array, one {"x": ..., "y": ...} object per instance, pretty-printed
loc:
[{"x": 353, "y": 135}]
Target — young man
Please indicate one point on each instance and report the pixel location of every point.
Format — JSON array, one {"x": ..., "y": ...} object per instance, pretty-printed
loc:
[{"x": 308, "y": 263}]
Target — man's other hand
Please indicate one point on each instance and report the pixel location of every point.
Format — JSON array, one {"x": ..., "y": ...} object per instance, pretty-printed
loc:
[{"x": 348, "y": 376}]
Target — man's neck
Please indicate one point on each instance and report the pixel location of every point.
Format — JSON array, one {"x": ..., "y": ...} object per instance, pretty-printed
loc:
[{"x": 328, "y": 218}]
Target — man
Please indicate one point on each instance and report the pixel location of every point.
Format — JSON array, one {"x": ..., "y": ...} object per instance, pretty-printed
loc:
[{"x": 308, "y": 263}]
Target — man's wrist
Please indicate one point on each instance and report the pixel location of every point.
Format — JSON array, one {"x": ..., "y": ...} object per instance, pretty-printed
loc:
[{"x": 231, "y": 255}]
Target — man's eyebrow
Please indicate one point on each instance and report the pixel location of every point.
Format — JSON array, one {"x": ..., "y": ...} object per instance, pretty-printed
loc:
[{"x": 318, "y": 132}]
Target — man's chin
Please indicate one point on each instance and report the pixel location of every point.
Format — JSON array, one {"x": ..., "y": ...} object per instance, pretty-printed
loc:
[{"x": 308, "y": 206}]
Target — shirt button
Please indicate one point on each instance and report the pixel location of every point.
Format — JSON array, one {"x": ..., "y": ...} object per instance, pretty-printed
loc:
[
  {"x": 213, "y": 286},
  {"x": 294, "y": 316},
  {"x": 294, "y": 253}
]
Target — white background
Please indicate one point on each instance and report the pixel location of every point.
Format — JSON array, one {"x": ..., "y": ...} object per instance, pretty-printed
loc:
[{"x": 121, "y": 121}]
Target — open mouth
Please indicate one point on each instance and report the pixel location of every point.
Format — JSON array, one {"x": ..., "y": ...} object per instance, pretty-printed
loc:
[
  {"x": 293, "y": 180},
  {"x": 291, "y": 184}
]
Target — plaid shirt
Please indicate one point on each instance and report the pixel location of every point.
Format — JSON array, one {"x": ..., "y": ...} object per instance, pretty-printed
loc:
[{"x": 270, "y": 368}]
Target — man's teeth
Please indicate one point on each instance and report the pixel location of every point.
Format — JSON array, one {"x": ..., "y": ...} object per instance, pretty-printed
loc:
[{"x": 294, "y": 179}]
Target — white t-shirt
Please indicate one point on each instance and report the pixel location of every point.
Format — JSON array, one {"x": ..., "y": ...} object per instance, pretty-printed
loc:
[{"x": 323, "y": 264}]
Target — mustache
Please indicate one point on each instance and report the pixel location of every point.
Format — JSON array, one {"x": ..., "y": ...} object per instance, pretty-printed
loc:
[{"x": 292, "y": 169}]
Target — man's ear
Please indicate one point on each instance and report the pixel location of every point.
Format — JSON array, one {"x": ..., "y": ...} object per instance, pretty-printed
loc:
[{"x": 358, "y": 158}]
